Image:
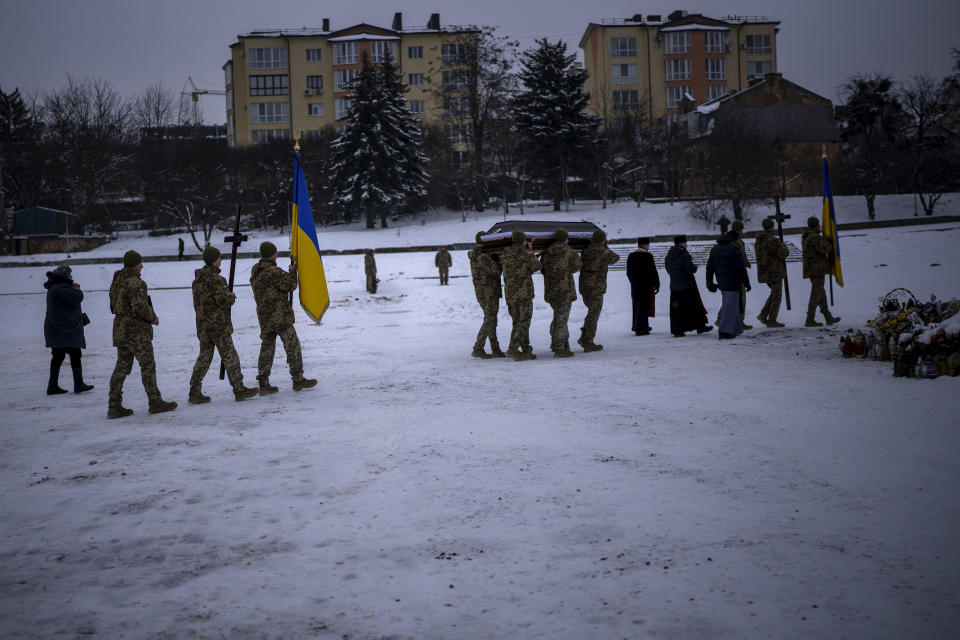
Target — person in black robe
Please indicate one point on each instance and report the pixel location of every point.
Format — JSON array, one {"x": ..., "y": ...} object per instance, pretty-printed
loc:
[
  {"x": 687, "y": 312},
  {"x": 644, "y": 285}
]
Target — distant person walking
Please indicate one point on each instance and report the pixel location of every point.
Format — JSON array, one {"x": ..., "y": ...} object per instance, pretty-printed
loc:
[
  {"x": 595, "y": 263},
  {"x": 771, "y": 270},
  {"x": 370, "y": 269},
  {"x": 180, "y": 249},
  {"x": 726, "y": 264},
  {"x": 133, "y": 322},
  {"x": 644, "y": 286},
  {"x": 724, "y": 223},
  {"x": 687, "y": 312},
  {"x": 63, "y": 328},
  {"x": 443, "y": 260}
]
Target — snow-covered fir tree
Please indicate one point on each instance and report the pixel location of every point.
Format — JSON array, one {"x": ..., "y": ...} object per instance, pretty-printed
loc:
[
  {"x": 550, "y": 117},
  {"x": 377, "y": 165}
]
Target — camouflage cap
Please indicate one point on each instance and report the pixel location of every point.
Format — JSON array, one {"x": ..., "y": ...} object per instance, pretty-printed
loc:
[
  {"x": 813, "y": 222},
  {"x": 737, "y": 225},
  {"x": 767, "y": 224},
  {"x": 132, "y": 258},
  {"x": 210, "y": 254},
  {"x": 64, "y": 271},
  {"x": 599, "y": 235},
  {"x": 267, "y": 250},
  {"x": 560, "y": 235},
  {"x": 518, "y": 237}
]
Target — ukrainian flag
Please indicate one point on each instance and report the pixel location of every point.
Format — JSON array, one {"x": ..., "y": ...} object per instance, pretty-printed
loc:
[
  {"x": 304, "y": 249},
  {"x": 829, "y": 224}
]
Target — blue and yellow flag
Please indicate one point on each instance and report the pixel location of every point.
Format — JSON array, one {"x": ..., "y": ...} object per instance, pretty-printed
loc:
[
  {"x": 829, "y": 224},
  {"x": 304, "y": 249}
]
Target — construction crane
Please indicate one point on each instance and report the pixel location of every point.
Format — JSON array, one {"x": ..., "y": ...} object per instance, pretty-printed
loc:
[{"x": 195, "y": 97}]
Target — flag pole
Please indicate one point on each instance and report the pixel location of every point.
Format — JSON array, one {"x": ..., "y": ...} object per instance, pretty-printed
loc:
[
  {"x": 823, "y": 158},
  {"x": 293, "y": 217}
]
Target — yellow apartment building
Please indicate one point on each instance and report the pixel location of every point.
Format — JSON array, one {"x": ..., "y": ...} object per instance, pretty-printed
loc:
[
  {"x": 649, "y": 63},
  {"x": 282, "y": 82}
]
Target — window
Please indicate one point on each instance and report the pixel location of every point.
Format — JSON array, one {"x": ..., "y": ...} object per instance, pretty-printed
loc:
[
  {"x": 456, "y": 53},
  {"x": 261, "y": 112},
  {"x": 313, "y": 135},
  {"x": 269, "y": 85},
  {"x": 379, "y": 49},
  {"x": 625, "y": 101},
  {"x": 228, "y": 74},
  {"x": 454, "y": 133},
  {"x": 756, "y": 70},
  {"x": 315, "y": 109},
  {"x": 714, "y": 41},
  {"x": 261, "y": 136},
  {"x": 675, "y": 96},
  {"x": 415, "y": 53},
  {"x": 758, "y": 44},
  {"x": 623, "y": 47},
  {"x": 346, "y": 52},
  {"x": 341, "y": 129},
  {"x": 678, "y": 69},
  {"x": 275, "y": 58},
  {"x": 229, "y": 98},
  {"x": 458, "y": 107},
  {"x": 343, "y": 79},
  {"x": 416, "y": 106},
  {"x": 455, "y": 80},
  {"x": 715, "y": 91},
  {"x": 314, "y": 55},
  {"x": 623, "y": 73},
  {"x": 315, "y": 83},
  {"x": 678, "y": 42},
  {"x": 716, "y": 69},
  {"x": 416, "y": 80},
  {"x": 343, "y": 107}
]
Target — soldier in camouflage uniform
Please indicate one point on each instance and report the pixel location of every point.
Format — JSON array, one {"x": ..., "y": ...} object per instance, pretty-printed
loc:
[
  {"x": 486, "y": 285},
  {"x": 595, "y": 260},
  {"x": 771, "y": 253},
  {"x": 271, "y": 289},
  {"x": 816, "y": 265},
  {"x": 558, "y": 264},
  {"x": 370, "y": 268},
  {"x": 443, "y": 260},
  {"x": 519, "y": 264},
  {"x": 133, "y": 337},
  {"x": 212, "y": 300}
]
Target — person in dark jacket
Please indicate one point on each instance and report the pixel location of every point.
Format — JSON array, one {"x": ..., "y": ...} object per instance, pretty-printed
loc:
[
  {"x": 644, "y": 285},
  {"x": 63, "y": 328},
  {"x": 686, "y": 308},
  {"x": 726, "y": 264}
]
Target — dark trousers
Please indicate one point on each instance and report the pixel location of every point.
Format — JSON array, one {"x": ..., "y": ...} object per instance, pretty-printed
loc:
[
  {"x": 641, "y": 313},
  {"x": 59, "y": 353}
]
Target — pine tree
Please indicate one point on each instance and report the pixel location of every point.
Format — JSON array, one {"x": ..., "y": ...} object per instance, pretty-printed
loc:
[
  {"x": 377, "y": 164},
  {"x": 550, "y": 114}
]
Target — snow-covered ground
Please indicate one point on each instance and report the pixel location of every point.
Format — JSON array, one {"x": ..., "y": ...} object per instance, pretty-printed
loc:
[{"x": 763, "y": 487}]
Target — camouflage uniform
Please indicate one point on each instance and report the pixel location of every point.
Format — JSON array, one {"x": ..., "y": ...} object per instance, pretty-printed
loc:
[
  {"x": 370, "y": 268},
  {"x": 443, "y": 260},
  {"x": 132, "y": 334},
  {"x": 486, "y": 285},
  {"x": 519, "y": 264},
  {"x": 271, "y": 288},
  {"x": 816, "y": 266},
  {"x": 558, "y": 263},
  {"x": 770, "y": 252},
  {"x": 595, "y": 260},
  {"x": 212, "y": 300}
]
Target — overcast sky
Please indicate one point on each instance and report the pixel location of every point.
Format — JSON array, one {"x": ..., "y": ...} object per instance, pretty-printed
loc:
[{"x": 135, "y": 43}]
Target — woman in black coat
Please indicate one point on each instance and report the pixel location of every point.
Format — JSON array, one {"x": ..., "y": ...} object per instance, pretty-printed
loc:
[
  {"x": 63, "y": 328},
  {"x": 686, "y": 308}
]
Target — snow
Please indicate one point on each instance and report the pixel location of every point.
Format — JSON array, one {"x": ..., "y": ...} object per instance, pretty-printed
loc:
[{"x": 660, "y": 488}]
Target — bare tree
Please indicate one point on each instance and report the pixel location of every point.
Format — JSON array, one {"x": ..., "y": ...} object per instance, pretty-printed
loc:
[
  {"x": 926, "y": 102},
  {"x": 89, "y": 124},
  {"x": 154, "y": 107}
]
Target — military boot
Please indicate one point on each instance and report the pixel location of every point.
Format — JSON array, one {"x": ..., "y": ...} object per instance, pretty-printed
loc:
[
  {"x": 196, "y": 396},
  {"x": 116, "y": 410},
  {"x": 563, "y": 352},
  {"x": 763, "y": 320},
  {"x": 775, "y": 325},
  {"x": 478, "y": 352},
  {"x": 527, "y": 353},
  {"x": 832, "y": 319},
  {"x": 495, "y": 351},
  {"x": 265, "y": 387},
  {"x": 303, "y": 383},
  {"x": 514, "y": 353},
  {"x": 242, "y": 392},
  {"x": 161, "y": 406},
  {"x": 812, "y": 323}
]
